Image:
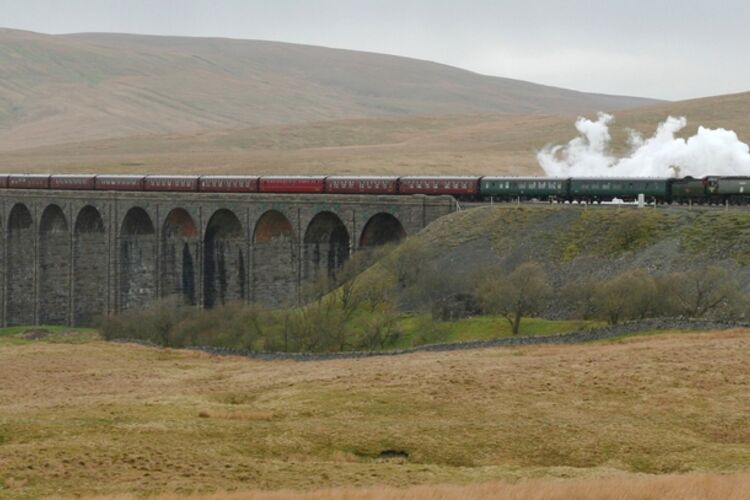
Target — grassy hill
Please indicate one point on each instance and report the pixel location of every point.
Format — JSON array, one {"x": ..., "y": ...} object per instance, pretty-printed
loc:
[
  {"x": 470, "y": 144},
  {"x": 578, "y": 244},
  {"x": 63, "y": 88},
  {"x": 88, "y": 417},
  {"x": 127, "y": 103}
]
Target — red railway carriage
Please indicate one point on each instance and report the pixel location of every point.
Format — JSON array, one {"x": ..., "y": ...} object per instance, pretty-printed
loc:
[
  {"x": 459, "y": 186},
  {"x": 339, "y": 184},
  {"x": 85, "y": 182},
  {"x": 4, "y": 180},
  {"x": 228, "y": 184},
  {"x": 28, "y": 181},
  {"x": 119, "y": 182},
  {"x": 292, "y": 184},
  {"x": 171, "y": 183}
]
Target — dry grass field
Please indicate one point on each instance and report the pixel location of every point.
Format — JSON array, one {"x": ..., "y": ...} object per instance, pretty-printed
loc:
[
  {"x": 623, "y": 487},
  {"x": 455, "y": 144},
  {"x": 92, "y": 418}
]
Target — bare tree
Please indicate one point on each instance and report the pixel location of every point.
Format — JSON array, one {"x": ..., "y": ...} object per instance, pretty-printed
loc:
[
  {"x": 579, "y": 299},
  {"x": 629, "y": 295},
  {"x": 523, "y": 292},
  {"x": 701, "y": 292}
]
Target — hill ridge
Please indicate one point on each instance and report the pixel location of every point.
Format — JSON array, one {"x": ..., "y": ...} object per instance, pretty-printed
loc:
[{"x": 78, "y": 87}]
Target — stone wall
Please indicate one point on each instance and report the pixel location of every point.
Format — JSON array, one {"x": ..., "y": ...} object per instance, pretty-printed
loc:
[{"x": 71, "y": 257}]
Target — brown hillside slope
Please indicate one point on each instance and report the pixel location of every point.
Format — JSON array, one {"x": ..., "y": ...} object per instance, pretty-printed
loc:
[
  {"x": 472, "y": 144},
  {"x": 57, "y": 89}
]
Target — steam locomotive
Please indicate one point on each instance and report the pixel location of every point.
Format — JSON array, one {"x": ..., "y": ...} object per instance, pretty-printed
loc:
[{"x": 710, "y": 189}]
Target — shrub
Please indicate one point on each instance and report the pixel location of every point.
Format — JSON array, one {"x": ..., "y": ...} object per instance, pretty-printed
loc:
[
  {"x": 523, "y": 292},
  {"x": 630, "y": 295},
  {"x": 154, "y": 324}
]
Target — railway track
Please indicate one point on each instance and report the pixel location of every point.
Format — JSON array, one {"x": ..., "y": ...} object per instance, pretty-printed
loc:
[{"x": 467, "y": 205}]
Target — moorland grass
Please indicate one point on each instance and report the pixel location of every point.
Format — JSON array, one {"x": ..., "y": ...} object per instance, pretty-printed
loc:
[
  {"x": 102, "y": 418},
  {"x": 621, "y": 487}
]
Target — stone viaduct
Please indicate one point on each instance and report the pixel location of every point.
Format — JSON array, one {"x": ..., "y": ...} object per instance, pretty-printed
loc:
[{"x": 70, "y": 257}]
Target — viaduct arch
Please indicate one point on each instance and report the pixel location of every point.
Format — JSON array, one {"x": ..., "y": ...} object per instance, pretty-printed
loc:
[
  {"x": 54, "y": 266},
  {"x": 70, "y": 257},
  {"x": 274, "y": 242},
  {"x": 224, "y": 265},
  {"x": 137, "y": 263},
  {"x": 90, "y": 266},
  {"x": 21, "y": 270},
  {"x": 381, "y": 229},
  {"x": 180, "y": 249},
  {"x": 327, "y": 245}
]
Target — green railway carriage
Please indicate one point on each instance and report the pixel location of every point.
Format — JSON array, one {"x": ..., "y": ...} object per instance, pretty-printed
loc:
[
  {"x": 525, "y": 188},
  {"x": 712, "y": 189},
  {"x": 627, "y": 189},
  {"x": 688, "y": 189},
  {"x": 732, "y": 189}
]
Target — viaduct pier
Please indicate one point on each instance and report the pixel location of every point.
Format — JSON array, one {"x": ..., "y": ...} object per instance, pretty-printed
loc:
[{"x": 70, "y": 257}]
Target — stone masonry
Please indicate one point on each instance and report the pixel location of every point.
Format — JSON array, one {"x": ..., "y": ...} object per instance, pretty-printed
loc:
[{"x": 71, "y": 257}]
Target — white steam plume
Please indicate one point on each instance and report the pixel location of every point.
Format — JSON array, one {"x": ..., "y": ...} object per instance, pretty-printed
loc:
[{"x": 709, "y": 152}]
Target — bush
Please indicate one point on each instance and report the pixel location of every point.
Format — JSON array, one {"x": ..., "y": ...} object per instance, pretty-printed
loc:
[
  {"x": 522, "y": 293},
  {"x": 580, "y": 299},
  {"x": 702, "y": 292},
  {"x": 379, "y": 329},
  {"x": 154, "y": 324},
  {"x": 631, "y": 295}
]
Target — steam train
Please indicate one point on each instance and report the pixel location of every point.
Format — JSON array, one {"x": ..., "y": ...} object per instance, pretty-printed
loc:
[{"x": 710, "y": 189}]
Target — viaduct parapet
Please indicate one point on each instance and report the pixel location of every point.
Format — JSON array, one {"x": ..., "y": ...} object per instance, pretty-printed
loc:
[{"x": 70, "y": 257}]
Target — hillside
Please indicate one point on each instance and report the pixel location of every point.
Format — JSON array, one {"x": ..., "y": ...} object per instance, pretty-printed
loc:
[
  {"x": 580, "y": 244},
  {"x": 84, "y": 417},
  {"x": 471, "y": 144},
  {"x": 63, "y": 88}
]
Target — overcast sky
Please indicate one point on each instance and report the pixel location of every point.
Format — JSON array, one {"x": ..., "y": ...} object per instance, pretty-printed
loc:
[{"x": 671, "y": 49}]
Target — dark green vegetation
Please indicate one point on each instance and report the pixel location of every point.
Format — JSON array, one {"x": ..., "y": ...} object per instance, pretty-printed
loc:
[
  {"x": 568, "y": 266},
  {"x": 21, "y": 335}
]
